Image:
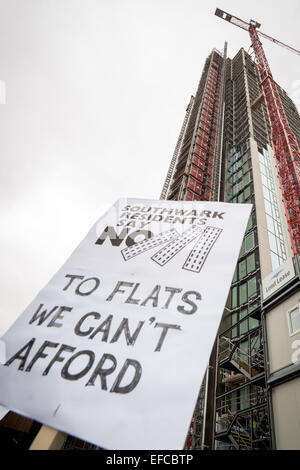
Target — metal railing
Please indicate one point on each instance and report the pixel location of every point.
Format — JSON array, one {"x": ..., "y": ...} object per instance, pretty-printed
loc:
[
  {"x": 232, "y": 403},
  {"x": 245, "y": 352},
  {"x": 247, "y": 430}
]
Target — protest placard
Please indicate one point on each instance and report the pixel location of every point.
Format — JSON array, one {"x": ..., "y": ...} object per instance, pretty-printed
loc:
[{"x": 114, "y": 349}]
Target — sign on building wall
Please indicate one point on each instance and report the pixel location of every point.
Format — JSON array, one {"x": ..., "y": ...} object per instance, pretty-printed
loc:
[
  {"x": 114, "y": 349},
  {"x": 278, "y": 278}
]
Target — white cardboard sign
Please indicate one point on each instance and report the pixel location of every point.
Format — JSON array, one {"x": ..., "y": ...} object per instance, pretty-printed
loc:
[
  {"x": 274, "y": 281},
  {"x": 114, "y": 349}
]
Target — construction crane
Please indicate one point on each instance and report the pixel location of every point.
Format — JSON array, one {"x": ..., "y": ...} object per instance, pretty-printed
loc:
[{"x": 284, "y": 142}]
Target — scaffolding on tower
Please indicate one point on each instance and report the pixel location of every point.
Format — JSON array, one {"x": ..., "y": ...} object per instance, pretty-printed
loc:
[{"x": 284, "y": 143}]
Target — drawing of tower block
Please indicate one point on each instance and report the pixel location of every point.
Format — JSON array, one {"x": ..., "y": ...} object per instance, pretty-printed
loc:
[
  {"x": 203, "y": 246},
  {"x": 164, "y": 255},
  {"x": 149, "y": 243}
]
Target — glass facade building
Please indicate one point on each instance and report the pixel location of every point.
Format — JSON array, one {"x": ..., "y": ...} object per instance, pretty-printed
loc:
[
  {"x": 274, "y": 226},
  {"x": 229, "y": 158},
  {"x": 223, "y": 153}
]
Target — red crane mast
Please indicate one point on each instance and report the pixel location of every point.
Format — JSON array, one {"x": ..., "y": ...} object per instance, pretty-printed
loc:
[{"x": 284, "y": 142}]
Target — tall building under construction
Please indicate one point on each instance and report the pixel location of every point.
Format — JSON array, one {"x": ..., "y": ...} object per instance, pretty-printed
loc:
[{"x": 250, "y": 397}]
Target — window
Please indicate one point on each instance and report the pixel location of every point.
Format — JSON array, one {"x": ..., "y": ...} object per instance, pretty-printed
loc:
[
  {"x": 244, "y": 327},
  {"x": 253, "y": 323},
  {"x": 242, "y": 269},
  {"x": 243, "y": 293},
  {"x": 252, "y": 288},
  {"x": 247, "y": 179},
  {"x": 234, "y": 318},
  {"x": 245, "y": 157},
  {"x": 278, "y": 254},
  {"x": 234, "y": 297},
  {"x": 246, "y": 168},
  {"x": 294, "y": 320},
  {"x": 250, "y": 224},
  {"x": 249, "y": 242},
  {"x": 247, "y": 192},
  {"x": 251, "y": 263},
  {"x": 243, "y": 314}
]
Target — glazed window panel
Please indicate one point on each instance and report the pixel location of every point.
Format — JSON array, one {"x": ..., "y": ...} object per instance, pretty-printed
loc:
[
  {"x": 247, "y": 178},
  {"x": 253, "y": 323},
  {"x": 278, "y": 253},
  {"x": 242, "y": 269},
  {"x": 249, "y": 242},
  {"x": 243, "y": 314},
  {"x": 243, "y": 293},
  {"x": 234, "y": 332},
  {"x": 242, "y": 252},
  {"x": 294, "y": 319},
  {"x": 234, "y": 297},
  {"x": 268, "y": 207},
  {"x": 246, "y": 167},
  {"x": 247, "y": 193},
  {"x": 252, "y": 288},
  {"x": 244, "y": 327},
  {"x": 236, "y": 188},
  {"x": 234, "y": 318},
  {"x": 251, "y": 263},
  {"x": 250, "y": 223},
  {"x": 276, "y": 260},
  {"x": 272, "y": 241}
]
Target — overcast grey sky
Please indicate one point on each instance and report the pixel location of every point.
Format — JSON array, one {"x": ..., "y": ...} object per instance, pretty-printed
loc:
[{"x": 96, "y": 92}]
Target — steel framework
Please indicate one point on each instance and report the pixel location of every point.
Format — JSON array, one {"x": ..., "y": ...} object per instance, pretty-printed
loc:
[{"x": 284, "y": 143}]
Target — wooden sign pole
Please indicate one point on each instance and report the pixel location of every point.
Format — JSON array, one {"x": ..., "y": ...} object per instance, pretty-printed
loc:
[{"x": 48, "y": 439}]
